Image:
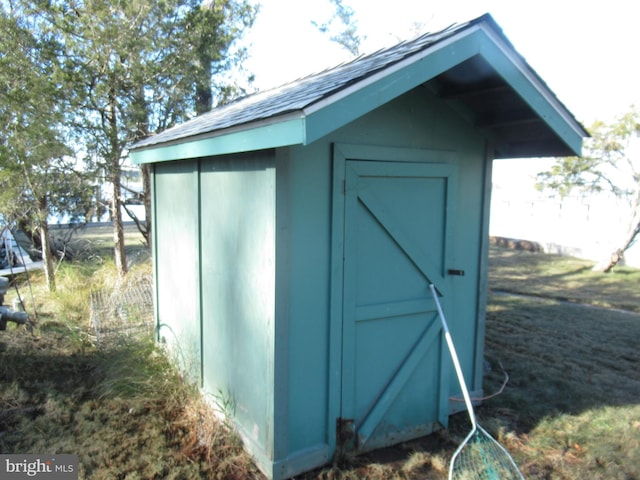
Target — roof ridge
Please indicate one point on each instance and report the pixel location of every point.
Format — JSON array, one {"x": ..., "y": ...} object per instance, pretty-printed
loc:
[{"x": 331, "y": 68}]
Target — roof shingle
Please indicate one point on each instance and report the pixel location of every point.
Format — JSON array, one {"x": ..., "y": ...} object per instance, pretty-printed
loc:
[{"x": 301, "y": 93}]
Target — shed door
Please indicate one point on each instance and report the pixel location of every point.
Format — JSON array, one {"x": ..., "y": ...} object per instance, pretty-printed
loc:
[{"x": 396, "y": 242}]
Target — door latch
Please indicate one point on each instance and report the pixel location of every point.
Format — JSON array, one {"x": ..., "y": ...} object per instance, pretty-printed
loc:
[{"x": 453, "y": 271}]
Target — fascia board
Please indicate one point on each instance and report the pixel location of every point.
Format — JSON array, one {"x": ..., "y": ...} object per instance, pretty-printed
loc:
[
  {"x": 287, "y": 130},
  {"x": 531, "y": 88},
  {"x": 335, "y": 111},
  {"x": 351, "y": 103}
]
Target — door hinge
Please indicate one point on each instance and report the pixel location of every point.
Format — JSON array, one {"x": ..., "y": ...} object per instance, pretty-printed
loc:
[{"x": 345, "y": 434}]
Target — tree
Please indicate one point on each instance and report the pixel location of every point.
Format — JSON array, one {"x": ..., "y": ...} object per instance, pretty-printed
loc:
[
  {"x": 210, "y": 30},
  {"x": 342, "y": 28},
  {"x": 37, "y": 175},
  {"x": 610, "y": 164},
  {"x": 129, "y": 69}
]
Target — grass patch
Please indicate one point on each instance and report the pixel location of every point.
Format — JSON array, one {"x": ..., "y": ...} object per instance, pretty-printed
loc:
[
  {"x": 570, "y": 410},
  {"x": 566, "y": 358},
  {"x": 563, "y": 278},
  {"x": 95, "y": 241}
]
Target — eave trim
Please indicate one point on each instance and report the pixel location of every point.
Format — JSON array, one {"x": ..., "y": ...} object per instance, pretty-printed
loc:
[
  {"x": 286, "y": 130},
  {"x": 348, "y": 104},
  {"x": 524, "y": 81}
]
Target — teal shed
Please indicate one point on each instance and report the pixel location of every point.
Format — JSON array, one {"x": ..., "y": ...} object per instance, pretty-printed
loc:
[{"x": 296, "y": 232}]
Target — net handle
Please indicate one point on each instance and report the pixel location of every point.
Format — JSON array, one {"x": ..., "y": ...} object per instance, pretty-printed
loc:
[{"x": 454, "y": 357}]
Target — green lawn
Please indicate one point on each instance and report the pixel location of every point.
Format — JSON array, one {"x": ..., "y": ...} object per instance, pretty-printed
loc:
[{"x": 563, "y": 278}]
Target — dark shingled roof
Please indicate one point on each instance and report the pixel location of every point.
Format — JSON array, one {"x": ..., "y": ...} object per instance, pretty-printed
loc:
[
  {"x": 301, "y": 93},
  {"x": 473, "y": 85}
]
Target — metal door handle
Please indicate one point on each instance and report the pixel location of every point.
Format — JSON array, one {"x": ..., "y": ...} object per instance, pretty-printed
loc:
[{"x": 453, "y": 271}]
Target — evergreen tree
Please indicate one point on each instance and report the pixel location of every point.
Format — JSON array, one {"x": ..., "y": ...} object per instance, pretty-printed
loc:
[
  {"x": 130, "y": 68},
  {"x": 37, "y": 172}
]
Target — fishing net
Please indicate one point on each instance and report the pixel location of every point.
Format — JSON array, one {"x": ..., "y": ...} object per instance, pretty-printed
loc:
[{"x": 481, "y": 457}]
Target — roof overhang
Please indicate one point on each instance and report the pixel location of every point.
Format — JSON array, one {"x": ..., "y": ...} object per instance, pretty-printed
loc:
[
  {"x": 279, "y": 131},
  {"x": 475, "y": 70}
]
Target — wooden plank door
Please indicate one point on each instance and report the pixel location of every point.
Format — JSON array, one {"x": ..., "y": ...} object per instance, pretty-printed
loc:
[{"x": 396, "y": 242}]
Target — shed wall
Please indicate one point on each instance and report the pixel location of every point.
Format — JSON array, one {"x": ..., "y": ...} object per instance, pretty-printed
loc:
[
  {"x": 417, "y": 120},
  {"x": 215, "y": 282},
  {"x": 176, "y": 260},
  {"x": 238, "y": 288}
]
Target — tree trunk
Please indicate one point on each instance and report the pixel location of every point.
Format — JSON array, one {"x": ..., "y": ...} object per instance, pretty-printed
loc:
[
  {"x": 47, "y": 257},
  {"x": 146, "y": 189},
  {"x": 204, "y": 95},
  {"x": 120, "y": 256},
  {"x": 607, "y": 265},
  {"x": 115, "y": 172},
  {"x": 45, "y": 244},
  {"x": 142, "y": 130}
]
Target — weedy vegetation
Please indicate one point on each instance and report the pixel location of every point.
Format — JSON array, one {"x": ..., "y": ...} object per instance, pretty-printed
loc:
[
  {"x": 123, "y": 409},
  {"x": 567, "y": 338}
]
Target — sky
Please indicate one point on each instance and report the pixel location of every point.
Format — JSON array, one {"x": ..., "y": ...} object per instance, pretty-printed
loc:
[{"x": 586, "y": 51}]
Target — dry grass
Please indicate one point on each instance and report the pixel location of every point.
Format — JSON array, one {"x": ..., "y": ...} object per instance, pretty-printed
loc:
[
  {"x": 125, "y": 410},
  {"x": 570, "y": 410}
]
